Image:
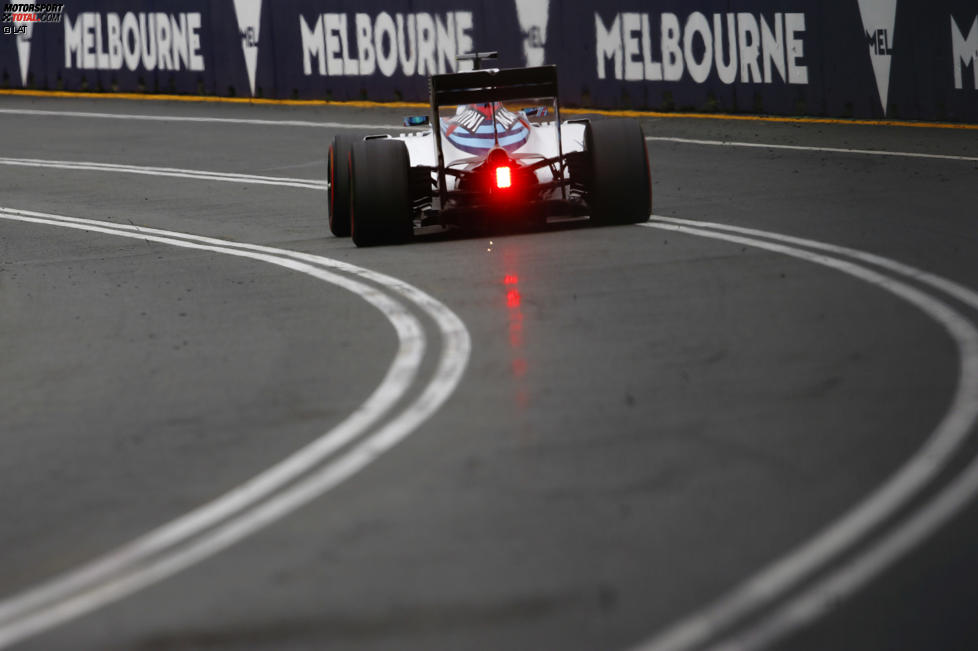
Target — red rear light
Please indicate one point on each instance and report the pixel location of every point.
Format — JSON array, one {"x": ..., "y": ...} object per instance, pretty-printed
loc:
[{"x": 503, "y": 177}]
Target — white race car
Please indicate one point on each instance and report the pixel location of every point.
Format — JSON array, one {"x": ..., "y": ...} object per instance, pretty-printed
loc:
[{"x": 495, "y": 159}]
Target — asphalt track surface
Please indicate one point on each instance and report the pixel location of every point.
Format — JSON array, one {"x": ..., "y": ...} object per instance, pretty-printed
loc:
[{"x": 642, "y": 418}]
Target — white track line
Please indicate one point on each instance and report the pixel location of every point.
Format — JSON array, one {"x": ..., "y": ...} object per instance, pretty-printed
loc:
[
  {"x": 964, "y": 294},
  {"x": 303, "y": 476},
  {"x": 817, "y": 600},
  {"x": 204, "y": 175},
  {"x": 775, "y": 580},
  {"x": 402, "y": 129},
  {"x": 203, "y": 119},
  {"x": 830, "y": 150}
]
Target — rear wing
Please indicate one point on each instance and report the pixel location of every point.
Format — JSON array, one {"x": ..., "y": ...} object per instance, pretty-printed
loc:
[
  {"x": 480, "y": 86},
  {"x": 492, "y": 85}
]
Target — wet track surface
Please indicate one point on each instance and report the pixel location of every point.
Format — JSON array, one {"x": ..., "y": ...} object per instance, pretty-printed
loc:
[{"x": 647, "y": 417}]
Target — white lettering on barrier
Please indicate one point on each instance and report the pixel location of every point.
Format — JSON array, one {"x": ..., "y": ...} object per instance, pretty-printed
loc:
[
  {"x": 964, "y": 52},
  {"x": 147, "y": 26},
  {"x": 672, "y": 52},
  {"x": 163, "y": 42},
  {"x": 727, "y": 72},
  {"x": 366, "y": 55},
  {"x": 752, "y": 47},
  {"x": 608, "y": 44},
  {"x": 653, "y": 68},
  {"x": 385, "y": 43},
  {"x": 631, "y": 26},
  {"x": 96, "y": 41},
  {"x": 533, "y": 16},
  {"x": 748, "y": 38},
  {"x": 331, "y": 27},
  {"x": 445, "y": 41},
  {"x": 88, "y": 41},
  {"x": 879, "y": 23},
  {"x": 422, "y": 43},
  {"x": 350, "y": 65},
  {"x": 114, "y": 36},
  {"x": 313, "y": 45},
  {"x": 794, "y": 23},
  {"x": 248, "y": 16},
  {"x": 697, "y": 25},
  {"x": 407, "y": 51},
  {"x": 426, "y": 45},
  {"x": 772, "y": 44}
]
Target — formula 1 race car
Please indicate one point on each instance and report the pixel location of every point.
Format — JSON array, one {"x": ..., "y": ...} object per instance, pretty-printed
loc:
[{"x": 495, "y": 160}]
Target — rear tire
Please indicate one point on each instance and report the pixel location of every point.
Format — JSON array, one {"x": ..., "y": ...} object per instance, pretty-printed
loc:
[
  {"x": 619, "y": 188},
  {"x": 338, "y": 177},
  {"x": 380, "y": 196}
]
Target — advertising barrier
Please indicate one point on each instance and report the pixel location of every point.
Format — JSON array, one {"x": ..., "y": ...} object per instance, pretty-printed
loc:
[{"x": 851, "y": 58}]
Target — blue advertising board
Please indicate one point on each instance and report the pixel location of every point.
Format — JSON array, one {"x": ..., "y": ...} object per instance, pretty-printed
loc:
[{"x": 852, "y": 58}]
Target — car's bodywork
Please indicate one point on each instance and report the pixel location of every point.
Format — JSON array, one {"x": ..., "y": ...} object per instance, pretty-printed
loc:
[{"x": 495, "y": 157}]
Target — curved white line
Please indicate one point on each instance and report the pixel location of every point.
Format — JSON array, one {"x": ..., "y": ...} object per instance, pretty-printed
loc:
[
  {"x": 781, "y": 576},
  {"x": 286, "y": 486},
  {"x": 203, "y": 175},
  {"x": 818, "y": 599},
  {"x": 964, "y": 294}
]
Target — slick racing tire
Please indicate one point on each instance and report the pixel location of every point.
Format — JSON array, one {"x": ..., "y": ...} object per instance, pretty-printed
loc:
[
  {"x": 619, "y": 187},
  {"x": 380, "y": 198},
  {"x": 338, "y": 178}
]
